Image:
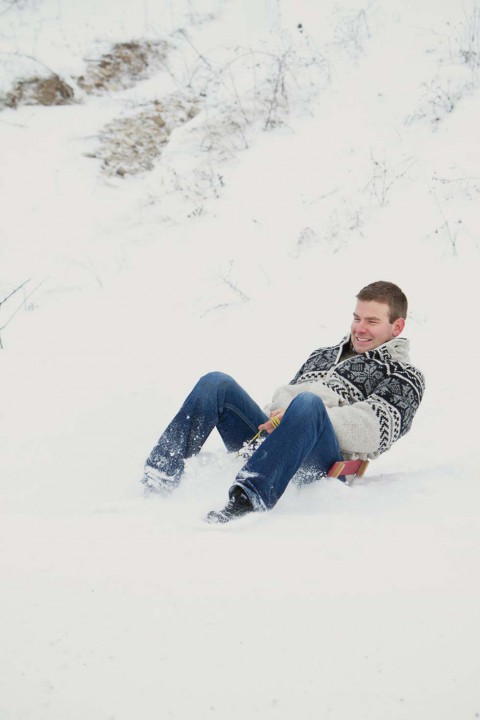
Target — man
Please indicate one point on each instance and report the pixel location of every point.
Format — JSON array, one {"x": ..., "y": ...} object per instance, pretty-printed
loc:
[{"x": 349, "y": 401}]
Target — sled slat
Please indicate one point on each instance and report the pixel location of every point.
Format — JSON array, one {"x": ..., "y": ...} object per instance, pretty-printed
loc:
[{"x": 355, "y": 468}]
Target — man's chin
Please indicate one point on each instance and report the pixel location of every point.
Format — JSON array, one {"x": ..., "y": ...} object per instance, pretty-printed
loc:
[{"x": 362, "y": 347}]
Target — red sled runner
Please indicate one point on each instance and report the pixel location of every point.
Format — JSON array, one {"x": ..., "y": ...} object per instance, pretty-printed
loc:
[{"x": 350, "y": 468}]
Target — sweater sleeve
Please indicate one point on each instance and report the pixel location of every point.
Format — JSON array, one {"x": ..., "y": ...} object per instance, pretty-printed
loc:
[{"x": 370, "y": 427}]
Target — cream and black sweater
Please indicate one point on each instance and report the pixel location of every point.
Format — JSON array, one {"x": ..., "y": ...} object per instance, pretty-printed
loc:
[{"x": 370, "y": 397}]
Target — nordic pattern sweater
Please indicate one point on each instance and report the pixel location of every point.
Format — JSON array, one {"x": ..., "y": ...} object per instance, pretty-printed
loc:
[{"x": 371, "y": 398}]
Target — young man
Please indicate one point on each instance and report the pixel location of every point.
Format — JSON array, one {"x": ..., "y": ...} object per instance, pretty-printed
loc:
[{"x": 349, "y": 401}]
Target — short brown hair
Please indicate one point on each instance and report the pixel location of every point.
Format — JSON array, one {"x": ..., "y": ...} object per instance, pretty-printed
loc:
[{"x": 388, "y": 293}]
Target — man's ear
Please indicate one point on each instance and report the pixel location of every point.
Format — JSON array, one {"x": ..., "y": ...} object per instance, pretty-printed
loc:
[{"x": 398, "y": 326}]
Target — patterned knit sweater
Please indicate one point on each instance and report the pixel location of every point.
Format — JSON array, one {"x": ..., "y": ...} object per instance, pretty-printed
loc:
[{"x": 371, "y": 398}]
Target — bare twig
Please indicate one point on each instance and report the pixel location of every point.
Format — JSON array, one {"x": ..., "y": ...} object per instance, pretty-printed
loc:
[
  {"x": 452, "y": 237},
  {"x": 238, "y": 99},
  {"x": 221, "y": 306},
  {"x": 14, "y": 291},
  {"x": 34, "y": 59},
  {"x": 231, "y": 285},
  {"x": 278, "y": 89},
  {"x": 2, "y": 327},
  {"x": 195, "y": 50},
  {"x": 90, "y": 267},
  {"x": 383, "y": 177},
  {"x": 470, "y": 41}
]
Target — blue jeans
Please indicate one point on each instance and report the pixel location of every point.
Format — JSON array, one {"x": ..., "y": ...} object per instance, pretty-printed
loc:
[{"x": 304, "y": 440}]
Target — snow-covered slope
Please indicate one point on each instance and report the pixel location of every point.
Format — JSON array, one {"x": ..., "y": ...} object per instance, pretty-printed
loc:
[{"x": 242, "y": 250}]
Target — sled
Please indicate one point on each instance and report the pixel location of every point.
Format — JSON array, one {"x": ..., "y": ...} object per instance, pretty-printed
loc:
[{"x": 351, "y": 469}]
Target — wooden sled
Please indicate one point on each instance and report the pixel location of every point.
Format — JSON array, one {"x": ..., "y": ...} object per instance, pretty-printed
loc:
[{"x": 351, "y": 469}]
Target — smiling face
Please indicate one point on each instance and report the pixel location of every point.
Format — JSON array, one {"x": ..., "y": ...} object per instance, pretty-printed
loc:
[{"x": 371, "y": 326}]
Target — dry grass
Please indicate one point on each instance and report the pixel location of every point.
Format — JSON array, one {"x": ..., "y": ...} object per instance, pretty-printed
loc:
[
  {"x": 130, "y": 145},
  {"x": 126, "y": 64},
  {"x": 51, "y": 90}
]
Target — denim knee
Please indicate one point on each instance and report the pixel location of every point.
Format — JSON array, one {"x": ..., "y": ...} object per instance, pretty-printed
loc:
[
  {"x": 212, "y": 380},
  {"x": 309, "y": 403}
]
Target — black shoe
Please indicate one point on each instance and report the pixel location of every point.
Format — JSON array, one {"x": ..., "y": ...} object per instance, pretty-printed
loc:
[{"x": 238, "y": 506}]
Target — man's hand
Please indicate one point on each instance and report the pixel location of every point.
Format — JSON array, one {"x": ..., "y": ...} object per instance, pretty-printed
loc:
[{"x": 270, "y": 426}]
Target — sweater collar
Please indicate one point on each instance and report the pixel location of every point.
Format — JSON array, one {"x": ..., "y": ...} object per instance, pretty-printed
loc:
[{"x": 396, "y": 349}]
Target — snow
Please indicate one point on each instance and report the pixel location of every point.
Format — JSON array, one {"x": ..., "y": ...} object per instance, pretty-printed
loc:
[{"x": 341, "y": 602}]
